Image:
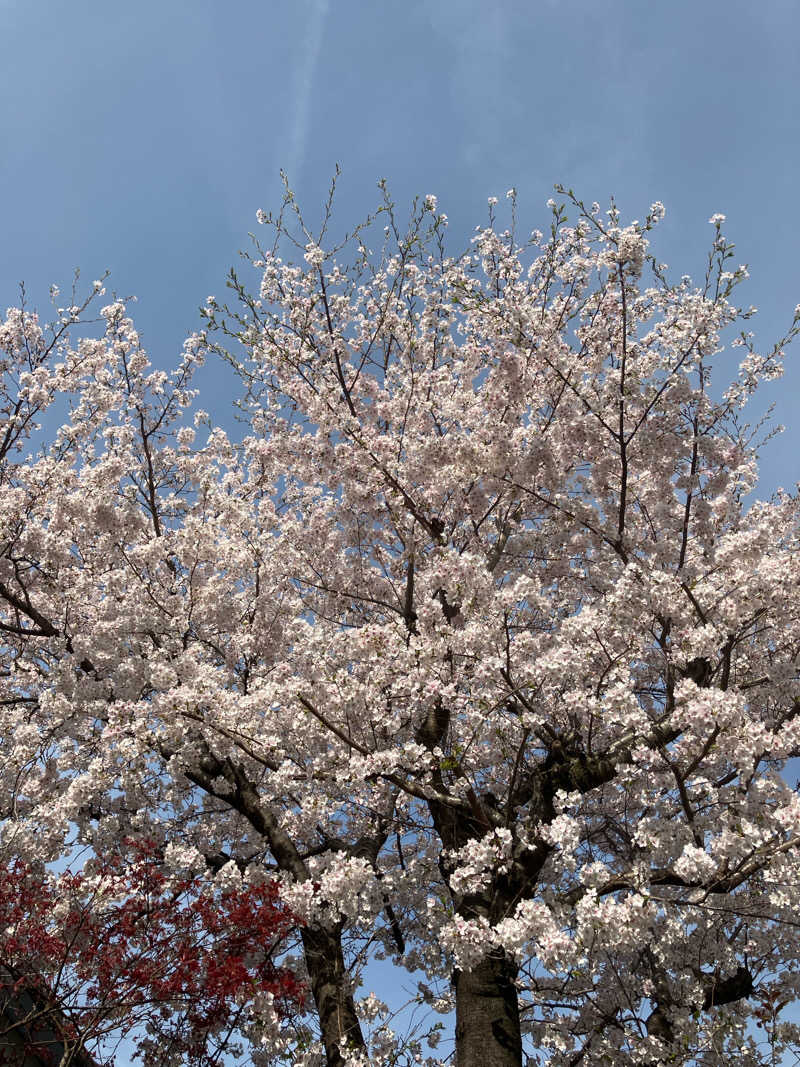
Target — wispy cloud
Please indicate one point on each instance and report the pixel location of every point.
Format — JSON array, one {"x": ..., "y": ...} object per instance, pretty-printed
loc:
[{"x": 305, "y": 71}]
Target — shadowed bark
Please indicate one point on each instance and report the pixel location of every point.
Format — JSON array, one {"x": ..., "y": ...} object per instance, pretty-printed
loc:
[{"x": 339, "y": 1023}]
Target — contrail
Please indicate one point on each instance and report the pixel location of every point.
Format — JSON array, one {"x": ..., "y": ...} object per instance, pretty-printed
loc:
[{"x": 306, "y": 70}]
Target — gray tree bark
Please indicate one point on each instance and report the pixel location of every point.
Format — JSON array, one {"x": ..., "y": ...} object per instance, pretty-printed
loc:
[{"x": 487, "y": 1015}]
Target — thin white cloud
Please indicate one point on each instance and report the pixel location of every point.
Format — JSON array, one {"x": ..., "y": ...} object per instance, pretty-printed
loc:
[{"x": 305, "y": 69}]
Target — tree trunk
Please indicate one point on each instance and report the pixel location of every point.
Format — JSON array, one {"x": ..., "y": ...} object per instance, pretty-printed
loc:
[
  {"x": 487, "y": 1015},
  {"x": 330, "y": 985}
]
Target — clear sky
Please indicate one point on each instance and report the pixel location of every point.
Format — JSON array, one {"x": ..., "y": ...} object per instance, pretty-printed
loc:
[{"x": 142, "y": 137}]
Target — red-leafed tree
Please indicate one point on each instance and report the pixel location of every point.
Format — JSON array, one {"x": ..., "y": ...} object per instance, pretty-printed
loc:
[{"x": 125, "y": 947}]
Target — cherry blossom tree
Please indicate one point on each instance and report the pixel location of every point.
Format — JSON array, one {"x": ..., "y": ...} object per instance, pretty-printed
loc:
[{"x": 473, "y": 642}]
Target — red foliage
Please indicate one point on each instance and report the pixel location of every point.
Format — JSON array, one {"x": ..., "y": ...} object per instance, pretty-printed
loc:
[{"x": 124, "y": 944}]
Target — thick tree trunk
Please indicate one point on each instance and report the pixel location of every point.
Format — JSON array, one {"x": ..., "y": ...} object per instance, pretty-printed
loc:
[
  {"x": 487, "y": 1015},
  {"x": 487, "y": 1005},
  {"x": 338, "y": 1021}
]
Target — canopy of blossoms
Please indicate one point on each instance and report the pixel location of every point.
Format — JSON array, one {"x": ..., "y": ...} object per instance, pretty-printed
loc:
[{"x": 471, "y": 642}]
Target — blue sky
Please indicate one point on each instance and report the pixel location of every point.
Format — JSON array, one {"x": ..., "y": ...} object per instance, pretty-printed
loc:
[{"x": 142, "y": 137}]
